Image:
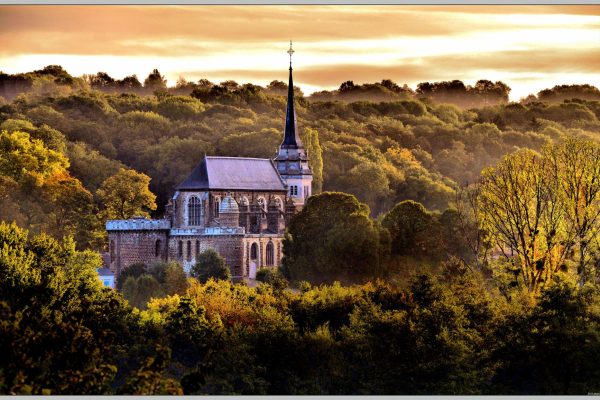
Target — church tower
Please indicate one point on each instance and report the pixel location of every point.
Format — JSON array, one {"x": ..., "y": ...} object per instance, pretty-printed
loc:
[{"x": 291, "y": 159}]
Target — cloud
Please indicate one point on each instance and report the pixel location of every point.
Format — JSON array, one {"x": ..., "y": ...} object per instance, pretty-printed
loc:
[
  {"x": 140, "y": 30},
  {"x": 335, "y": 43}
]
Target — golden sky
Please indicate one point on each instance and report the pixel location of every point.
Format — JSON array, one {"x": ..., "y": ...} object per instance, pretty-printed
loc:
[{"x": 528, "y": 47}]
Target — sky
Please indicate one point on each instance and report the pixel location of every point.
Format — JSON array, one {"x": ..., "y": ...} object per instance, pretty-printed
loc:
[{"x": 528, "y": 47}]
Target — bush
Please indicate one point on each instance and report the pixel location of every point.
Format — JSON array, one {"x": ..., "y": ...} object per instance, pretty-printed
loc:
[
  {"x": 272, "y": 277},
  {"x": 210, "y": 265}
]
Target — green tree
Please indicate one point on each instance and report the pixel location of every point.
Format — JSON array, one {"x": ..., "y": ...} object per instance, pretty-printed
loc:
[
  {"x": 412, "y": 229},
  {"x": 315, "y": 155},
  {"x": 134, "y": 270},
  {"x": 175, "y": 279},
  {"x": 209, "y": 265},
  {"x": 126, "y": 194},
  {"x": 57, "y": 323},
  {"x": 551, "y": 347},
  {"x": 333, "y": 238},
  {"x": 138, "y": 291}
]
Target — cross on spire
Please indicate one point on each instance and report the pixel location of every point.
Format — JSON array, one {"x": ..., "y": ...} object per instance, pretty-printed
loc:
[{"x": 290, "y": 52}]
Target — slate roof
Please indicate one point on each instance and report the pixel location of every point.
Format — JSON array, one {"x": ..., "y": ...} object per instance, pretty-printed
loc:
[{"x": 233, "y": 173}]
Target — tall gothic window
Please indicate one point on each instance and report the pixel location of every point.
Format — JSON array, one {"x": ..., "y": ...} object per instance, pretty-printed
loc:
[
  {"x": 157, "y": 248},
  {"x": 254, "y": 251},
  {"x": 197, "y": 248},
  {"x": 189, "y": 249},
  {"x": 194, "y": 211},
  {"x": 180, "y": 249},
  {"x": 270, "y": 254}
]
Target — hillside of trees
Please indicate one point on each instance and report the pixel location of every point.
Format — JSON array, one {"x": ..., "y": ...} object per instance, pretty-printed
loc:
[{"x": 452, "y": 246}]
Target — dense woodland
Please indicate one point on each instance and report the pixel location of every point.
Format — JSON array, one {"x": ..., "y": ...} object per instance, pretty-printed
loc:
[{"x": 453, "y": 247}]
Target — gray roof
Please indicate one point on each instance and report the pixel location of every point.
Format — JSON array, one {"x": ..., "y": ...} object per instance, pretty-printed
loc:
[{"x": 233, "y": 173}]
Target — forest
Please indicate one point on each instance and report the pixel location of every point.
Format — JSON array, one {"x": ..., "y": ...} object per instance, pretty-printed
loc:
[{"x": 451, "y": 246}]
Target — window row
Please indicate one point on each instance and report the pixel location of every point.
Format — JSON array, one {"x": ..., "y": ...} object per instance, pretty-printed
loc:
[
  {"x": 270, "y": 253},
  {"x": 180, "y": 248}
]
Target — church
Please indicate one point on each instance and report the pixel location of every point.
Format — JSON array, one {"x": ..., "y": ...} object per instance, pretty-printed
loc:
[{"x": 238, "y": 206}]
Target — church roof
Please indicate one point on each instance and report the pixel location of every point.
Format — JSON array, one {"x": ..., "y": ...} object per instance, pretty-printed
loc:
[{"x": 233, "y": 173}]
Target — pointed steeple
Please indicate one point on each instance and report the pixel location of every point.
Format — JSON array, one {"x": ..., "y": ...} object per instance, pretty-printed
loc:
[
  {"x": 291, "y": 140},
  {"x": 291, "y": 160}
]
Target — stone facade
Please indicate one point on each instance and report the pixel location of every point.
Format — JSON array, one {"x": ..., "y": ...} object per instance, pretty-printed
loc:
[{"x": 239, "y": 207}]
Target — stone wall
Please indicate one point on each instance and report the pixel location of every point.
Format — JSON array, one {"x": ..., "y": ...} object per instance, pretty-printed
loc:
[{"x": 135, "y": 246}]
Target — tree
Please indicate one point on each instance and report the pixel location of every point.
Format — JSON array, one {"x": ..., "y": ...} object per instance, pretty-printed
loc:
[
  {"x": 138, "y": 291},
  {"x": 272, "y": 277},
  {"x": 347, "y": 86},
  {"x": 315, "y": 155},
  {"x": 130, "y": 83},
  {"x": 575, "y": 166},
  {"x": 210, "y": 264},
  {"x": 413, "y": 230},
  {"x": 333, "y": 238},
  {"x": 155, "y": 81},
  {"x": 551, "y": 347},
  {"x": 175, "y": 279},
  {"x": 102, "y": 81},
  {"x": 53, "y": 310},
  {"x": 133, "y": 270},
  {"x": 126, "y": 194},
  {"x": 71, "y": 211},
  {"x": 520, "y": 208},
  {"x": 179, "y": 107}
]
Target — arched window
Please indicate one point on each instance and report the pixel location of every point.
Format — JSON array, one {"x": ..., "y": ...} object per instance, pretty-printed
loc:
[
  {"x": 197, "y": 248},
  {"x": 157, "y": 248},
  {"x": 194, "y": 211},
  {"x": 112, "y": 250},
  {"x": 189, "y": 249},
  {"x": 254, "y": 251},
  {"x": 270, "y": 254},
  {"x": 180, "y": 249}
]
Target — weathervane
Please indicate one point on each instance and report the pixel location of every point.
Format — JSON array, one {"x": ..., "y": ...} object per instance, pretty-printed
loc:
[{"x": 290, "y": 52}]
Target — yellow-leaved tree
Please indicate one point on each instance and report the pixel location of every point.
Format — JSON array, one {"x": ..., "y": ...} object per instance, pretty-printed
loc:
[{"x": 126, "y": 194}]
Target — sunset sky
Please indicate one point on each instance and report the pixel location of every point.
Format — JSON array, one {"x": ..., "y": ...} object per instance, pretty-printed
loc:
[{"x": 527, "y": 47}]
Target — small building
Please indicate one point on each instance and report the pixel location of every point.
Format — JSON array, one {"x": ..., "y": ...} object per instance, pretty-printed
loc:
[
  {"x": 107, "y": 277},
  {"x": 238, "y": 206}
]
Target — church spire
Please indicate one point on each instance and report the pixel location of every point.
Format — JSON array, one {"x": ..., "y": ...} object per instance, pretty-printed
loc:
[{"x": 291, "y": 140}]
